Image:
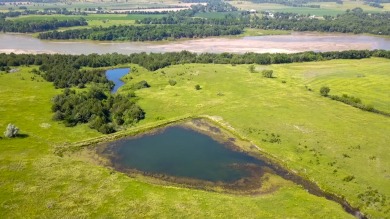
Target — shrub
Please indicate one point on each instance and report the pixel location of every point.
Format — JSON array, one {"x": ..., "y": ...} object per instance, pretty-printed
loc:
[
  {"x": 172, "y": 82},
  {"x": 348, "y": 178},
  {"x": 11, "y": 131},
  {"x": 140, "y": 85},
  {"x": 252, "y": 69},
  {"x": 106, "y": 129},
  {"x": 197, "y": 87},
  {"x": 324, "y": 91},
  {"x": 267, "y": 73}
]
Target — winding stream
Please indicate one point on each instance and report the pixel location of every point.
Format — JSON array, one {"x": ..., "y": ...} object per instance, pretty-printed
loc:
[{"x": 115, "y": 76}]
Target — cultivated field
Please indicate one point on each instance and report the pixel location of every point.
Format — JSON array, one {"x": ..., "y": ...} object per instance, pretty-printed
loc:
[
  {"x": 326, "y": 8},
  {"x": 341, "y": 148}
]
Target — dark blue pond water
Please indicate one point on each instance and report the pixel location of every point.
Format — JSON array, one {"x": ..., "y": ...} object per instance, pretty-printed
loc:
[
  {"x": 186, "y": 154},
  {"x": 182, "y": 152},
  {"x": 115, "y": 75}
]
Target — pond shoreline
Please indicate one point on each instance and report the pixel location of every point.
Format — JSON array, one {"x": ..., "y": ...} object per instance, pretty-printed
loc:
[{"x": 308, "y": 184}]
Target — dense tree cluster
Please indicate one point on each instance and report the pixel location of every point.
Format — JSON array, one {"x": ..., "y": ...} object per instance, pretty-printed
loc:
[
  {"x": 45, "y": 11},
  {"x": 229, "y": 19},
  {"x": 32, "y": 26},
  {"x": 99, "y": 108},
  {"x": 147, "y": 32},
  {"x": 211, "y": 6},
  {"x": 64, "y": 76},
  {"x": 37, "y": 1},
  {"x": 103, "y": 112},
  {"x": 353, "y": 21},
  {"x": 292, "y": 3},
  {"x": 154, "y": 61}
]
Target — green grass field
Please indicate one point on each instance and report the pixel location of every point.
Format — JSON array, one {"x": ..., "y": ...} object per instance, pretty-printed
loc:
[
  {"x": 217, "y": 15},
  {"x": 94, "y": 20},
  {"x": 327, "y": 8},
  {"x": 72, "y": 4},
  {"x": 321, "y": 139}
]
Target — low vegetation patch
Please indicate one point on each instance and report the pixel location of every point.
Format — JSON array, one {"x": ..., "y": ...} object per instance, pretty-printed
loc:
[{"x": 352, "y": 101}]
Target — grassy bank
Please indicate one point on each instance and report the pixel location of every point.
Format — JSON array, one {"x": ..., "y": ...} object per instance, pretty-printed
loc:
[
  {"x": 331, "y": 143},
  {"x": 323, "y": 140}
]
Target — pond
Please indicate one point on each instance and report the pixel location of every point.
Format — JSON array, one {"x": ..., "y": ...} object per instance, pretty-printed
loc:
[
  {"x": 115, "y": 76},
  {"x": 198, "y": 154},
  {"x": 295, "y": 42},
  {"x": 182, "y": 152},
  {"x": 194, "y": 153}
]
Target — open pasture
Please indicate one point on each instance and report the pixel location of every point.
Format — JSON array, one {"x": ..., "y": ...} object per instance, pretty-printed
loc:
[
  {"x": 326, "y": 8},
  {"x": 342, "y": 149}
]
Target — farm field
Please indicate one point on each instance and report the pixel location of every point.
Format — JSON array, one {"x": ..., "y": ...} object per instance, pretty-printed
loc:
[
  {"x": 326, "y": 8},
  {"x": 94, "y": 20},
  {"x": 70, "y": 5},
  {"x": 341, "y": 148}
]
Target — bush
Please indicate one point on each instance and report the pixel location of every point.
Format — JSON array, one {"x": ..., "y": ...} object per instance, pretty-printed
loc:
[
  {"x": 172, "y": 82},
  {"x": 252, "y": 69},
  {"x": 267, "y": 73},
  {"x": 106, "y": 129},
  {"x": 324, "y": 91},
  {"x": 197, "y": 87},
  {"x": 11, "y": 131},
  {"x": 140, "y": 85}
]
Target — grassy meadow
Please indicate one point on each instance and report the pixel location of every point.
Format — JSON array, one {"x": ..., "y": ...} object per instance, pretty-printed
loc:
[
  {"x": 104, "y": 4},
  {"x": 94, "y": 20},
  {"x": 341, "y": 148},
  {"x": 326, "y": 8}
]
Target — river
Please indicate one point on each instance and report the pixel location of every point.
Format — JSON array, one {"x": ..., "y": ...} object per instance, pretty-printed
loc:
[{"x": 296, "y": 42}]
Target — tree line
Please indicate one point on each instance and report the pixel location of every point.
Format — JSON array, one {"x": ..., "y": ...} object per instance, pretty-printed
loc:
[
  {"x": 52, "y": 63},
  {"x": 32, "y": 26},
  {"x": 353, "y": 21},
  {"x": 145, "y": 33},
  {"x": 352, "y": 101},
  {"x": 294, "y": 3},
  {"x": 45, "y": 11}
]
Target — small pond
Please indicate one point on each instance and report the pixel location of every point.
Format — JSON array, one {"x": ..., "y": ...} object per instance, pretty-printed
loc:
[
  {"x": 182, "y": 152},
  {"x": 199, "y": 154},
  {"x": 115, "y": 76}
]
